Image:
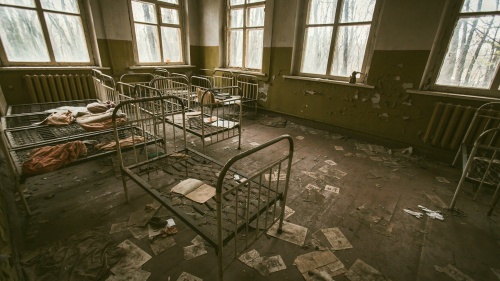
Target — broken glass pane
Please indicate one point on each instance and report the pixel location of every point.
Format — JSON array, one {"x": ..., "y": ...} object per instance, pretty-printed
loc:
[
  {"x": 349, "y": 49},
  {"x": 255, "y": 16},
  {"x": 68, "y": 6},
  {"x": 254, "y": 48},
  {"x": 316, "y": 49},
  {"x": 236, "y": 2},
  {"x": 21, "y": 3},
  {"x": 148, "y": 46},
  {"x": 357, "y": 10},
  {"x": 67, "y": 38},
  {"x": 236, "y": 48},
  {"x": 170, "y": 16},
  {"x": 171, "y": 43},
  {"x": 170, "y": 1},
  {"x": 236, "y": 18},
  {"x": 22, "y": 35},
  {"x": 472, "y": 6},
  {"x": 322, "y": 11},
  {"x": 143, "y": 12},
  {"x": 472, "y": 56}
]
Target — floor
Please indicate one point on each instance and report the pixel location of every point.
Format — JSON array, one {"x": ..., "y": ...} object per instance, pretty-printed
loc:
[{"x": 379, "y": 182}]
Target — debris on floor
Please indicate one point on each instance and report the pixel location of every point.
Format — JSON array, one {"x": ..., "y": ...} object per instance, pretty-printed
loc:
[
  {"x": 338, "y": 147},
  {"x": 330, "y": 162},
  {"x": 311, "y": 186},
  {"x": 276, "y": 122},
  {"x": 288, "y": 212},
  {"x": 453, "y": 272},
  {"x": 139, "y": 232},
  {"x": 161, "y": 244},
  {"x": 413, "y": 213},
  {"x": 332, "y": 188},
  {"x": 377, "y": 159},
  {"x": 254, "y": 144},
  {"x": 328, "y": 169},
  {"x": 365, "y": 214},
  {"x": 319, "y": 265},
  {"x": 195, "y": 250},
  {"x": 264, "y": 265},
  {"x": 188, "y": 277},
  {"x": 132, "y": 275},
  {"x": 336, "y": 238},
  {"x": 292, "y": 233},
  {"x": 432, "y": 214},
  {"x": 442, "y": 180},
  {"x": 134, "y": 258},
  {"x": 436, "y": 200},
  {"x": 141, "y": 217},
  {"x": 311, "y": 174},
  {"x": 118, "y": 227},
  {"x": 314, "y": 196},
  {"x": 361, "y": 271},
  {"x": 299, "y": 137},
  {"x": 250, "y": 258}
]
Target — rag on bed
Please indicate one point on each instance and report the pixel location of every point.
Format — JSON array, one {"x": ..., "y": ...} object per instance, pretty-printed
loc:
[{"x": 50, "y": 158}]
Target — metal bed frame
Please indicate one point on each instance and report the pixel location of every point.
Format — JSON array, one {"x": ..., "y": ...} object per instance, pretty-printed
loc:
[{"x": 241, "y": 210}]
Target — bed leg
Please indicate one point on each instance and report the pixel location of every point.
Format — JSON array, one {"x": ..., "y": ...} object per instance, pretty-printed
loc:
[
  {"x": 20, "y": 188},
  {"x": 125, "y": 189}
]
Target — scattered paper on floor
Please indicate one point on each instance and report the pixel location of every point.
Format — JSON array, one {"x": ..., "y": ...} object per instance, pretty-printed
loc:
[
  {"x": 288, "y": 212},
  {"x": 134, "y": 258},
  {"x": 138, "y": 232},
  {"x": 442, "y": 180},
  {"x": 413, "y": 213},
  {"x": 374, "y": 158},
  {"x": 365, "y": 214},
  {"x": 194, "y": 251},
  {"x": 118, "y": 227},
  {"x": 292, "y": 233},
  {"x": 142, "y": 217},
  {"x": 453, "y": 272},
  {"x": 188, "y": 277},
  {"x": 198, "y": 240},
  {"x": 264, "y": 265},
  {"x": 312, "y": 186},
  {"x": 336, "y": 238},
  {"x": 432, "y": 214},
  {"x": 318, "y": 264},
  {"x": 332, "y": 188},
  {"x": 131, "y": 275},
  {"x": 250, "y": 258},
  {"x": 299, "y": 137},
  {"x": 361, "y": 271},
  {"x": 330, "y": 162},
  {"x": 161, "y": 244},
  {"x": 337, "y": 147},
  {"x": 311, "y": 174}
]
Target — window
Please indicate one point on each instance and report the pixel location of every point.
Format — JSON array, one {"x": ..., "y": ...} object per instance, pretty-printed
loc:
[
  {"x": 471, "y": 61},
  {"x": 48, "y": 32},
  {"x": 245, "y": 34},
  {"x": 336, "y": 36},
  {"x": 158, "y": 31}
]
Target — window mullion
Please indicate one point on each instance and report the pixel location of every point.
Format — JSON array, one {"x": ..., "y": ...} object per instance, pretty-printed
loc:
[
  {"x": 495, "y": 84},
  {"x": 244, "y": 51},
  {"x": 334, "y": 38},
  {"x": 158, "y": 29},
  {"x": 45, "y": 30}
]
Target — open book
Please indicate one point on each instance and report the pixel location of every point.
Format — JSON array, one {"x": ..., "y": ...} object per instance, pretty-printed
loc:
[{"x": 195, "y": 190}]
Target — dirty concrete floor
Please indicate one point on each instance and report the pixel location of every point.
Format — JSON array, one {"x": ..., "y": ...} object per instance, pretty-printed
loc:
[{"x": 368, "y": 210}]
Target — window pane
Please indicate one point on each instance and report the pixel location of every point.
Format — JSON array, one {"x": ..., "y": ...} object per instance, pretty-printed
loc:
[
  {"x": 255, "y": 16},
  {"x": 170, "y": 1},
  {"x": 237, "y": 2},
  {"x": 170, "y": 16},
  {"x": 357, "y": 10},
  {"x": 349, "y": 49},
  {"x": 143, "y": 12},
  {"x": 69, "y": 6},
  {"x": 472, "y": 58},
  {"x": 236, "y": 48},
  {"x": 236, "y": 18},
  {"x": 67, "y": 38},
  {"x": 148, "y": 46},
  {"x": 480, "y": 6},
  {"x": 255, "y": 39},
  {"x": 316, "y": 49},
  {"x": 22, "y": 35},
  {"x": 322, "y": 11},
  {"x": 255, "y": 1},
  {"x": 21, "y": 3},
  {"x": 171, "y": 42}
]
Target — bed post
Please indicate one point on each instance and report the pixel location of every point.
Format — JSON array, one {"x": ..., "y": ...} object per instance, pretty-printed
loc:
[
  {"x": 218, "y": 200},
  {"x": 288, "y": 169}
]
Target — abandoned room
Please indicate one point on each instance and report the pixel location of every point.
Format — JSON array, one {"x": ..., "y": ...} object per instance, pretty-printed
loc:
[{"x": 249, "y": 140}]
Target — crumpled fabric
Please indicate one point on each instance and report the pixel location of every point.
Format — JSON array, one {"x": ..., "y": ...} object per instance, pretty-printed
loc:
[
  {"x": 59, "y": 119},
  {"x": 99, "y": 117},
  {"x": 97, "y": 107},
  {"x": 50, "y": 158},
  {"x": 106, "y": 124},
  {"x": 86, "y": 256},
  {"x": 123, "y": 143}
]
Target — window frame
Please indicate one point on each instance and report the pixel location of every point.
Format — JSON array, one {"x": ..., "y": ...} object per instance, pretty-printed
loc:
[
  {"x": 245, "y": 6},
  {"x": 451, "y": 15},
  {"x": 303, "y": 9},
  {"x": 183, "y": 26},
  {"x": 88, "y": 30}
]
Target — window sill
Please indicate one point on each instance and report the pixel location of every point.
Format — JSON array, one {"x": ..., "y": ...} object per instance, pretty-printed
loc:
[
  {"x": 24, "y": 68},
  {"x": 175, "y": 66},
  {"x": 451, "y": 95},
  {"x": 242, "y": 71},
  {"x": 322, "y": 80}
]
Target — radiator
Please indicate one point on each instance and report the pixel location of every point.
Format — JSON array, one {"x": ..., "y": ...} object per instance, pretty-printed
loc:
[
  {"x": 449, "y": 124},
  {"x": 53, "y": 88}
]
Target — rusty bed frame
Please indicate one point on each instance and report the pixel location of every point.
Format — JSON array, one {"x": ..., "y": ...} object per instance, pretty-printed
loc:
[{"x": 243, "y": 208}]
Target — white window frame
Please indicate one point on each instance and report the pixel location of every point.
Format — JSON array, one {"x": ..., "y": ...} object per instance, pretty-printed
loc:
[
  {"x": 301, "y": 25},
  {"x": 451, "y": 15},
  {"x": 88, "y": 29},
  {"x": 183, "y": 25},
  {"x": 228, "y": 29}
]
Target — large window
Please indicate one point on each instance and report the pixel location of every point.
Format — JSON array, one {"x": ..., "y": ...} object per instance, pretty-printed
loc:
[
  {"x": 245, "y": 34},
  {"x": 336, "y": 36},
  {"x": 471, "y": 61},
  {"x": 46, "y": 32},
  {"x": 158, "y": 29}
]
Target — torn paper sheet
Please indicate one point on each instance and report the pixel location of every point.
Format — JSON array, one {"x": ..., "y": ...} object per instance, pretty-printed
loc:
[
  {"x": 198, "y": 240},
  {"x": 139, "y": 232},
  {"x": 312, "y": 187},
  {"x": 224, "y": 124},
  {"x": 338, "y": 147},
  {"x": 288, "y": 212},
  {"x": 188, "y": 277},
  {"x": 311, "y": 174},
  {"x": 330, "y": 162},
  {"x": 415, "y": 214},
  {"x": 161, "y": 244},
  {"x": 332, "y": 188},
  {"x": 360, "y": 271},
  {"x": 118, "y": 227},
  {"x": 336, "y": 238},
  {"x": 432, "y": 214},
  {"x": 322, "y": 262},
  {"x": 194, "y": 251},
  {"x": 453, "y": 272},
  {"x": 142, "y": 217},
  {"x": 131, "y": 275},
  {"x": 328, "y": 169},
  {"x": 269, "y": 265},
  {"x": 250, "y": 258},
  {"x": 299, "y": 137},
  {"x": 134, "y": 258},
  {"x": 292, "y": 233}
]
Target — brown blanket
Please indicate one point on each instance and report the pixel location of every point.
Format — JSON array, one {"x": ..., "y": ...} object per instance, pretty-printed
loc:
[{"x": 49, "y": 158}]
